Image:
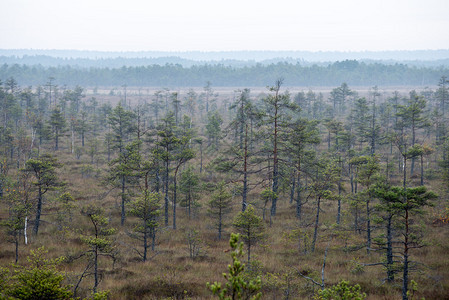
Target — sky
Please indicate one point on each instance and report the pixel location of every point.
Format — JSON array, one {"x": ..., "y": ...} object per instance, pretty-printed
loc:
[{"x": 227, "y": 25}]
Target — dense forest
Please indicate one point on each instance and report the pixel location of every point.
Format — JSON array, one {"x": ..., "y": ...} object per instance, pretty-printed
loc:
[
  {"x": 130, "y": 195},
  {"x": 352, "y": 72}
]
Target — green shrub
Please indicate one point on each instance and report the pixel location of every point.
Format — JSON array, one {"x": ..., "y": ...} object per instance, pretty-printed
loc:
[
  {"x": 341, "y": 291},
  {"x": 39, "y": 280}
]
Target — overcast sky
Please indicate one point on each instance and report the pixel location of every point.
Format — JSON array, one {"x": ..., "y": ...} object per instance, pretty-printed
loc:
[{"x": 183, "y": 25}]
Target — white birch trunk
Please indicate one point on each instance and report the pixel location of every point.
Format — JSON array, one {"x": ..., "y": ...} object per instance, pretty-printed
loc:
[{"x": 25, "y": 231}]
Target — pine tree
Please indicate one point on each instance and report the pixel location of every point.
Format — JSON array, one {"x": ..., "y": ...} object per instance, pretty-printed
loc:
[
  {"x": 124, "y": 170},
  {"x": 339, "y": 97},
  {"x": 122, "y": 125},
  {"x": 278, "y": 106},
  {"x": 147, "y": 209},
  {"x": 220, "y": 206},
  {"x": 238, "y": 158},
  {"x": 239, "y": 162},
  {"x": 367, "y": 176},
  {"x": 361, "y": 119},
  {"x": 443, "y": 94},
  {"x": 213, "y": 130},
  {"x": 182, "y": 153},
  {"x": 98, "y": 240},
  {"x": 166, "y": 144},
  {"x": 413, "y": 117},
  {"x": 82, "y": 126},
  {"x": 302, "y": 134},
  {"x": 324, "y": 182},
  {"x": 189, "y": 186},
  {"x": 409, "y": 205},
  {"x": 237, "y": 287},
  {"x": 58, "y": 124},
  {"x": 15, "y": 224},
  {"x": 39, "y": 280},
  {"x": 43, "y": 169},
  {"x": 385, "y": 211},
  {"x": 251, "y": 228}
]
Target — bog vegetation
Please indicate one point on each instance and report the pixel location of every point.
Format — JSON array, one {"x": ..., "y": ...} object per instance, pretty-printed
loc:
[{"x": 338, "y": 194}]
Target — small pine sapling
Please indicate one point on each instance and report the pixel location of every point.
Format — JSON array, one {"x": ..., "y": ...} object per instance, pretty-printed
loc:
[{"x": 236, "y": 287}]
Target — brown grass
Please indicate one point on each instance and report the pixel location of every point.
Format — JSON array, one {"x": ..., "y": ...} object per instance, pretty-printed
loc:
[{"x": 172, "y": 274}]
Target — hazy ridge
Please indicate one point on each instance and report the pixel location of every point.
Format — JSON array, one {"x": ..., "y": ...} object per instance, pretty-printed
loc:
[{"x": 86, "y": 59}]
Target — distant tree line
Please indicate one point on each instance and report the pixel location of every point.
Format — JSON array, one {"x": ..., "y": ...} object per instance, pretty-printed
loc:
[
  {"x": 352, "y": 72},
  {"x": 429, "y": 59}
]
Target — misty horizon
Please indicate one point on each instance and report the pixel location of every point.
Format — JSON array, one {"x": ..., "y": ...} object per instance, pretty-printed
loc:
[{"x": 250, "y": 55}]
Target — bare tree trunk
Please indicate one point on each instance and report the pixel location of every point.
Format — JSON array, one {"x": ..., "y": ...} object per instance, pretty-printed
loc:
[
  {"x": 201, "y": 158},
  {"x": 390, "y": 273},
  {"x": 16, "y": 242},
  {"x": 275, "y": 156},
  {"x": 245, "y": 172},
  {"x": 145, "y": 243},
  {"x": 123, "y": 216},
  {"x": 351, "y": 179},
  {"x": 405, "y": 266},
  {"x": 95, "y": 269},
  {"x": 368, "y": 225},
  {"x": 153, "y": 238},
  {"x": 412, "y": 167},
  {"x": 174, "y": 197},
  {"x": 339, "y": 194},
  {"x": 317, "y": 219},
  {"x": 166, "y": 192},
  {"x": 219, "y": 224},
  {"x": 422, "y": 170},
  {"x": 189, "y": 204},
  {"x": 292, "y": 187},
  {"x": 406, "y": 235},
  {"x": 298, "y": 193},
  {"x": 38, "y": 211},
  {"x": 249, "y": 248},
  {"x": 72, "y": 144},
  {"x": 275, "y": 173}
]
